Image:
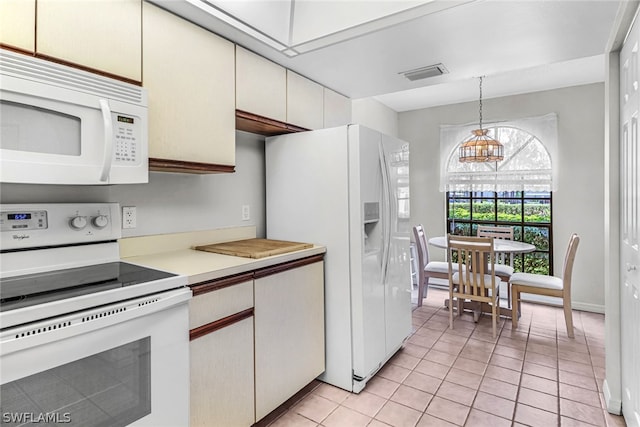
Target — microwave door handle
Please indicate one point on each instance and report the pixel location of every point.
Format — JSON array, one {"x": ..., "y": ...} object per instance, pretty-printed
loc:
[{"x": 108, "y": 140}]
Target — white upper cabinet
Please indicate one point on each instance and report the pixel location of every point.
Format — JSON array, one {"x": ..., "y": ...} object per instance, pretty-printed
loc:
[
  {"x": 305, "y": 102},
  {"x": 266, "y": 89},
  {"x": 337, "y": 109},
  {"x": 101, "y": 35},
  {"x": 18, "y": 23},
  {"x": 190, "y": 75},
  {"x": 261, "y": 86}
]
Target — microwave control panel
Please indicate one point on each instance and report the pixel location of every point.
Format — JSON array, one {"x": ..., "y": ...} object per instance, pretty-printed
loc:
[{"x": 126, "y": 133}]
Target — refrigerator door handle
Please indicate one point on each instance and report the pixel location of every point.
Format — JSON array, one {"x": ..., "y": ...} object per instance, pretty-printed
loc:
[{"x": 386, "y": 212}]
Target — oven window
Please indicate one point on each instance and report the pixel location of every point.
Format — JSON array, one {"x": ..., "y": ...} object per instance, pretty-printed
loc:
[
  {"x": 38, "y": 130},
  {"x": 112, "y": 388}
]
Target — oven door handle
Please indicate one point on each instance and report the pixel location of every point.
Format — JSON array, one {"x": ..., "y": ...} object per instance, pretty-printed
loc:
[
  {"x": 108, "y": 140},
  {"x": 31, "y": 335}
]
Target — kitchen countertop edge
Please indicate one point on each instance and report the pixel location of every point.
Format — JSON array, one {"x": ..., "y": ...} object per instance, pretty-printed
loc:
[{"x": 200, "y": 266}]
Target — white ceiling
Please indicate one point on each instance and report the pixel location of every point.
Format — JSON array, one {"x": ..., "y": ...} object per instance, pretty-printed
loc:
[{"x": 360, "y": 47}]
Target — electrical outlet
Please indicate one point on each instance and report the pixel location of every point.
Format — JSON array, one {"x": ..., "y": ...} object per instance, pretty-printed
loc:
[
  {"x": 246, "y": 214},
  {"x": 129, "y": 217}
]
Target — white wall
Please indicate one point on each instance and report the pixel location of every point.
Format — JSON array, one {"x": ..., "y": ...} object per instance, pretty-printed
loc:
[
  {"x": 375, "y": 115},
  {"x": 578, "y": 203},
  {"x": 173, "y": 202}
]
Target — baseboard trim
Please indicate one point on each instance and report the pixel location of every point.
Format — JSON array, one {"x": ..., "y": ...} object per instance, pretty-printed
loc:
[{"x": 583, "y": 306}]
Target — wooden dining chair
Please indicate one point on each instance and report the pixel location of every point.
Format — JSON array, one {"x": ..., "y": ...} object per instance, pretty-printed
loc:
[
  {"x": 427, "y": 269},
  {"x": 540, "y": 284},
  {"x": 475, "y": 278},
  {"x": 504, "y": 262}
]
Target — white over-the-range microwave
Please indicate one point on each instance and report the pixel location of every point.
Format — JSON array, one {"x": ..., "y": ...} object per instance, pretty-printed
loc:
[{"x": 62, "y": 125}]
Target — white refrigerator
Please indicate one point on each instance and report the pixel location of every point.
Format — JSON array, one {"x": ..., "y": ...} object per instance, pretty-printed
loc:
[{"x": 347, "y": 188}]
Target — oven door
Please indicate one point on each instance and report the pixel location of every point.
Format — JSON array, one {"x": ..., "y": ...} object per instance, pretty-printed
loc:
[{"x": 117, "y": 365}]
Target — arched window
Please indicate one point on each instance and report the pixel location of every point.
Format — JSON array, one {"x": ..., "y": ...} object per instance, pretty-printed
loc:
[
  {"x": 530, "y": 157},
  {"x": 513, "y": 192}
]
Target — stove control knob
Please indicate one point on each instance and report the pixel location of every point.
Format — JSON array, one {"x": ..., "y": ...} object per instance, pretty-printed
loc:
[
  {"x": 100, "y": 221},
  {"x": 78, "y": 222}
]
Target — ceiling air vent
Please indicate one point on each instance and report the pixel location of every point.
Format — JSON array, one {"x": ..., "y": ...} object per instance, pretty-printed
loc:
[{"x": 425, "y": 72}]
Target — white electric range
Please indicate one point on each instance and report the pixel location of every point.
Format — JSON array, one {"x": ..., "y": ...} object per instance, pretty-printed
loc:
[{"x": 86, "y": 339}]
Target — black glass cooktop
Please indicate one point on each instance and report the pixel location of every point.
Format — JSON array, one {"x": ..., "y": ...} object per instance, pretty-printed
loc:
[{"x": 39, "y": 288}]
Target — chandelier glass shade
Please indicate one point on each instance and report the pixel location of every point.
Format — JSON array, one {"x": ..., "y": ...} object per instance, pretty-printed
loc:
[{"x": 480, "y": 147}]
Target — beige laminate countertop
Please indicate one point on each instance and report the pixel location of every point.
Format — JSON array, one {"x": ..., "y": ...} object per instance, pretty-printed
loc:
[{"x": 201, "y": 266}]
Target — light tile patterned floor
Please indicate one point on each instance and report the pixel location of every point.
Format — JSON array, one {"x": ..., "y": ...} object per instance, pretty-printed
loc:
[{"x": 532, "y": 376}]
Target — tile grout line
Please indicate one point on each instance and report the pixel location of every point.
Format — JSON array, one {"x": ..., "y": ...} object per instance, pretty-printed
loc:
[{"x": 524, "y": 356}]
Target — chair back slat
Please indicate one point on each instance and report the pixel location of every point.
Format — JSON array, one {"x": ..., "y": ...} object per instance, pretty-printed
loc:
[
  {"x": 472, "y": 255},
  {"x": 504, "y": 233},
  {"x": 495, "y": 232},
  {"x": 568, "y": 263},
  {"x": 421, "y": 245}
]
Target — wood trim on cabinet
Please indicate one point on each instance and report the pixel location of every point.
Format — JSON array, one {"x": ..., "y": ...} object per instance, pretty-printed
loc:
[
  {"x": 16, "y": 49},
  {"x": 89, "y": 69},
  {"x": 166, "y": 165},
  {"x": 215, "y": 284},
  {"x": 70, "y": 64},
  {"x": 219, "y": 324},
  {"x": 261, "y": 125},
  {"x": 279, "y": 268}
]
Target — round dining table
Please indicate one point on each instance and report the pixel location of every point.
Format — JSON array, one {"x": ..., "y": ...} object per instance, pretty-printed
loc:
[{"x": 499, "y": 245}]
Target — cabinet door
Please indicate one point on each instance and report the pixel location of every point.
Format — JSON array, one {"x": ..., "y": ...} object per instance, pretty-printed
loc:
[
  {"x": 190, "y": 75},
  {"x": 261, "y": 86},
  {"x": 18, "y": 23},
  {"x": 289, "y": 334},
  {"x": 337, "y": 109},
  {"x": 102, "y": 35},
  {"x": 305, "y": 100},
  {"x": 222, "y": 377}
]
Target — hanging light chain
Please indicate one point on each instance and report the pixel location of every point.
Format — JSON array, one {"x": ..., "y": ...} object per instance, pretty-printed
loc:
[
  {"x": 480, "y": 102},
  {"x": 480, "y": 147}
]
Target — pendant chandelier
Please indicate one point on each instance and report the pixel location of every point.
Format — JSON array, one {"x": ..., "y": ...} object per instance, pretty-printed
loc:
[{"x": 480, "y": 147}]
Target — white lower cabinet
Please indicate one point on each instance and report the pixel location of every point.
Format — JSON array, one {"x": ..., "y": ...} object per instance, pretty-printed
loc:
[
  {"x": 256, "y": 340},
  {"x": 221, "y": 333},
  {"x": 222, "y": 377},
  {"x": 289, "y": 334}
]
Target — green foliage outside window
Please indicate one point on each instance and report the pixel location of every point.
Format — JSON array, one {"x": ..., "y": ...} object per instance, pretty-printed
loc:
[
  {"x": 524, "y": 214},
  {"x": 507, "y": 212}
]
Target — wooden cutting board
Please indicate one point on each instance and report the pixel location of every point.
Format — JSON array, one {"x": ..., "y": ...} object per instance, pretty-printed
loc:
[{"x": 254, "y": 248}]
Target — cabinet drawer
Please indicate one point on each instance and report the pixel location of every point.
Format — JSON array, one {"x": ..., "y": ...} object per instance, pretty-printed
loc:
[{"x": 211, "y": 306}]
